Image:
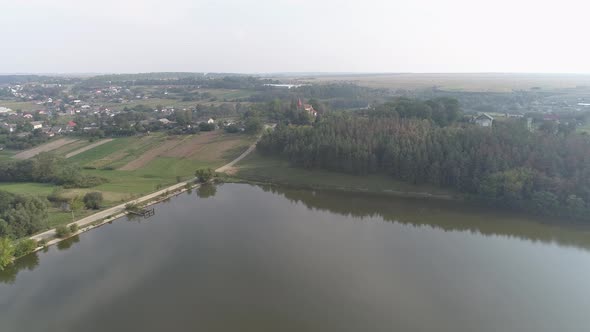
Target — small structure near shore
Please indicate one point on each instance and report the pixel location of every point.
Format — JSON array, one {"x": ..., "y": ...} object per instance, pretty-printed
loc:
[{"x": 142, "y": 212}]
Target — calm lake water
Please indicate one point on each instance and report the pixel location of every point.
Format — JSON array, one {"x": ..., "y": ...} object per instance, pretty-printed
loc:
[{"x": 245, "y": 258}]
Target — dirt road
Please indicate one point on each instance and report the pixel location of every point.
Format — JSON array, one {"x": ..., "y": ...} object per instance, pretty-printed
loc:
[
  {"x": 44, "y": 148},
  {"x": 88, "y": 147}
]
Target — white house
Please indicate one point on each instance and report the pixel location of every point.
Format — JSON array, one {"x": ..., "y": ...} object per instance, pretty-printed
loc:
[
  {"x": 484, "y": 120},
  {"x": 37, "y": 124},
  {"x": 11, "y": 127},
  {"x": 210, "y": 121}
]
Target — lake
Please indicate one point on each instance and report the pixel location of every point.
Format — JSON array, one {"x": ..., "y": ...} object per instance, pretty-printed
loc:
[{"x": 238, "y": 257}]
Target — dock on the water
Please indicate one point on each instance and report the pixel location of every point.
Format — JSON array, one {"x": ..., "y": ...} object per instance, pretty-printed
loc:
[{"x": 146, "y": 213}]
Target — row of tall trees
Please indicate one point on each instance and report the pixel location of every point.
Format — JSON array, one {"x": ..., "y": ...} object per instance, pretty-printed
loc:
[{"x": 505, "y": 165}]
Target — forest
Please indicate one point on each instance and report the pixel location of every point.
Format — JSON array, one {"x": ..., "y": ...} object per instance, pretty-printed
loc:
[
  {"x": 21, "y": 215},
  {"x": 545, "y": 171}
]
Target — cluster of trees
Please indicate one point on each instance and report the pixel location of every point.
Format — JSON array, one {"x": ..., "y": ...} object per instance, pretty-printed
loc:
[
  {"x": 9, "y": 250},
  {"x": 442, "y": 111},
  {"x": 47, "y": 167},
  {"x": 204, "y": 175},
  {"x": 336, "y": 96},
  {"x": 505, "y": 165},
  {"x": 21, "y": 215},
  {"x": 288, "y": 111},
  {"x": 209, "y": 81},
  {"x": 16, "y": 142}
]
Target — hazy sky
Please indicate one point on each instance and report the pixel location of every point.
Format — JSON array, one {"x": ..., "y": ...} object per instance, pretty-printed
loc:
[{"x": 53, "y": 36}]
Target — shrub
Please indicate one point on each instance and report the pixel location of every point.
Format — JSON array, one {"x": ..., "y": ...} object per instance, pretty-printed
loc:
[
  {"x": 63, "y": 231},
  {"x": 6, "y": 252},
  {"x": 93, "y": 200},
  {"x": 24, "y": 247},
  {"x": 73, "y": 228},
  {"x": 132, "y": 207},
  {"x": 56, "y": 196},
  {"x": 204, "y": 174}
]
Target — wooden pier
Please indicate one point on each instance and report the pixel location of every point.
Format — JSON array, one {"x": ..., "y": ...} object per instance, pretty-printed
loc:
[{"x": 146, "y": 213}]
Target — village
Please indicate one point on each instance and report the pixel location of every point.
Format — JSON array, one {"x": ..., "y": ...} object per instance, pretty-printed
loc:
[
  {"x": 49, "y": 111},
  {"x": 36, "y": 110}
]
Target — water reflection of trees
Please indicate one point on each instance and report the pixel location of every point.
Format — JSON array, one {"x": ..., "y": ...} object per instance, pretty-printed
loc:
[
  {"x": 28, "y": 262},
  {"x": 206, "y": 190},
  {"x": 439, "y": 214},
  {"x": 68, "y": 243},
  {"x": 31, "y": 261}
]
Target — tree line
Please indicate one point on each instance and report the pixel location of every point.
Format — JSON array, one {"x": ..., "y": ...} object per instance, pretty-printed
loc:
[
  {"x": 506, "y": 165},
  {"x": 47, "y": 167}
]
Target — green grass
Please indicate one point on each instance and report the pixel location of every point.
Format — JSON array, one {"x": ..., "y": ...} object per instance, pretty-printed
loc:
[
  {"x": 6, "y": 154},
  {"x": 58, "y": 217},
  {"x": 273, "y": 170},
  {"x": 25, "y": 106},
  {"x": 125, "y": 185},
  {"x": 42, "y": 189},
  {"x": 104, "y": 150},
  {"x": 71, "y": 147}
]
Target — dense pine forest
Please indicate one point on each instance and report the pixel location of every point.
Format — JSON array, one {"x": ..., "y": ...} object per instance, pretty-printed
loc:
[{"x": 545, "y": 171}]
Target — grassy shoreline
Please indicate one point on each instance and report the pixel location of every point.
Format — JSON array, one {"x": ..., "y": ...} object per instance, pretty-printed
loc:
[
  {"x": 162, "y": 171},
  {"x": 258, "y": 169}
]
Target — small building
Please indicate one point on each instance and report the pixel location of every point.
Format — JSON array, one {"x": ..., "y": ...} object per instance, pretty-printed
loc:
[
  {"x": 47, "y": 131},
  {"x": 4, "y": 110},
  {"x": 165, "y": 121},
  {"x": 309, "y": 109},
  {"x": 10, "y": 127},
  {"x": 56, "y": 129},
  {"x": 37, "y": 124},
  {"x": 28, "y": 116},
  {"x": 210, "y": 121},
  {"x": 484, "y": 120}
]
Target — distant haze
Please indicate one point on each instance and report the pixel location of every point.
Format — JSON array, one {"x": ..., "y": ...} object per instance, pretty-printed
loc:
[{"x": 264, "y": 36}]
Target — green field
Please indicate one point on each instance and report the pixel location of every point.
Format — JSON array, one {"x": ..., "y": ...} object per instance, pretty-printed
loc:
[
  {"x": 219, "y": 94},
  {"x": 123, "y": 185},
  {"x": 475, "y": 82},
  {"x": 25, "y": 106},
  {"x": 6, "y": 154},
  {"x": 272, "y": 170}
]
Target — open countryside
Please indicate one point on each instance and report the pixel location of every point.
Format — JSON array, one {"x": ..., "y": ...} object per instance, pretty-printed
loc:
[{"x": 296, "y": 201}]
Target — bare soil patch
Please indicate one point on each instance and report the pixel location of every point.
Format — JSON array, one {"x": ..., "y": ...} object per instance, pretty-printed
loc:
[
  {"x": 189, "y": 147},
  {"x": 150, "y": 155}
]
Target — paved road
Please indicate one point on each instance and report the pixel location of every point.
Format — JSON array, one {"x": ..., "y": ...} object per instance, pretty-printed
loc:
[{"x": 121, "y": 207}]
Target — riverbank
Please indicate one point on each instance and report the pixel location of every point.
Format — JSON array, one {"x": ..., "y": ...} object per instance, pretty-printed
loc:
[
  {"x": 258, "y": 169},
  {"x": 106, "y": 216},
  {"x": 100, "y": 218}
]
